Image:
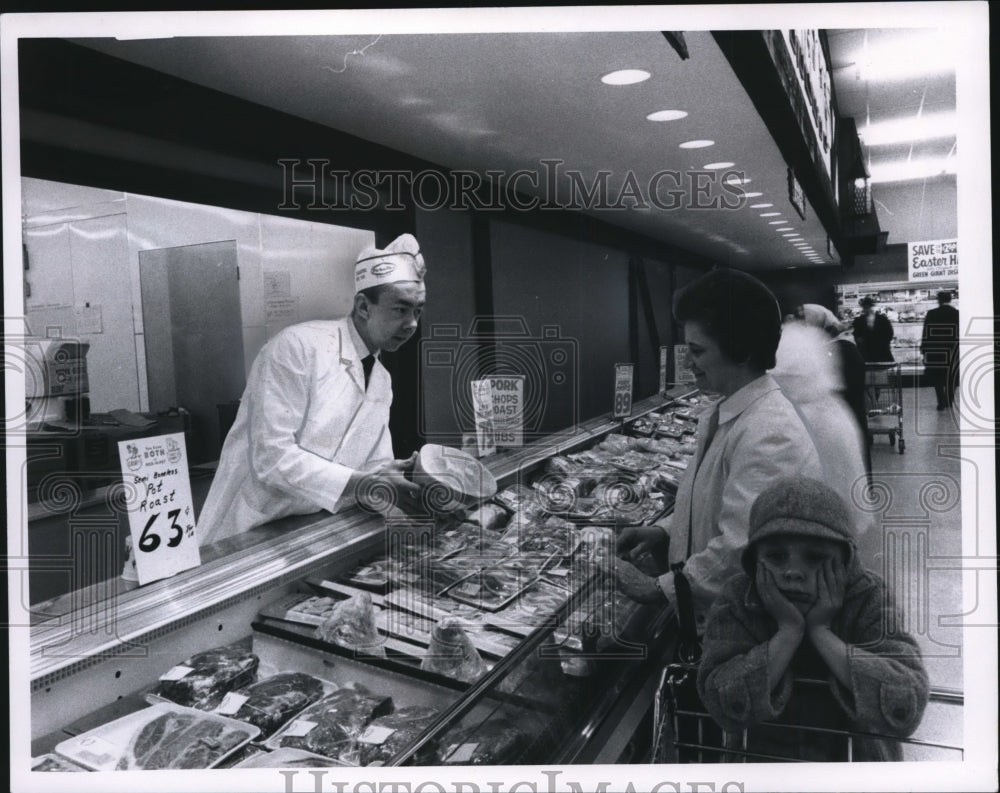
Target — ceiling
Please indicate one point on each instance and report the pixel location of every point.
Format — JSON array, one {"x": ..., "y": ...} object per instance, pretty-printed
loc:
[
  {"x": 506, "y": 102},
  {"x": 899, "y": 86}
]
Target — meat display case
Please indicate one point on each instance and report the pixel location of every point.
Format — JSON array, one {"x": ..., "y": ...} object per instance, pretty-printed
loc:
[{"x": 94, "y": 653}]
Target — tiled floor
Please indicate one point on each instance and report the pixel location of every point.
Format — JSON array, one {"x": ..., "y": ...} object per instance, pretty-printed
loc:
[{"x": 919, "y": 500}]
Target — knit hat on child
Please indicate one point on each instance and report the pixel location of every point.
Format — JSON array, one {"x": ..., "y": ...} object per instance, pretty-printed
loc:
[{"x": 798, "y": 506}]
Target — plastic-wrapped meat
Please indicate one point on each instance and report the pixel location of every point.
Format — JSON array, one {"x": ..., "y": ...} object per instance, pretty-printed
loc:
[
  {"x": 334, "y": 724},
  {"x": 433, "y": 576},
  {"x": 180, "y": 740},
  {"x": 272, "y": 702},
  {"x": 450, "y": 653},
  {"x": 521, "y": 499},
  {"x": 351, "y": 624},
  {"x": 495, "y": 742},
  {"x": 491, "y": 517},
  {"x": 406, "y": 725},
  {"x": 214, "y": 673}
]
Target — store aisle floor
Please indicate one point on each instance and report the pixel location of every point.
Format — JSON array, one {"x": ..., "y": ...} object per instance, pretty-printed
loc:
[{"x": 917, "y": 494}]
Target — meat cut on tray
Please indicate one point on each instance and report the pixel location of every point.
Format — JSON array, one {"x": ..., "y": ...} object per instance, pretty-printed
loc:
[
  {"x": 332, "y": 726},
  {"x": 206, "y": 677},
  {"x": 270, "y": 703},
  {"x": 387, "y": 735}
]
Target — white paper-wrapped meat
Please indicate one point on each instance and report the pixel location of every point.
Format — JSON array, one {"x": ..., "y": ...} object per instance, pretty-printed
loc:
[{"x": 453, "y": 478}]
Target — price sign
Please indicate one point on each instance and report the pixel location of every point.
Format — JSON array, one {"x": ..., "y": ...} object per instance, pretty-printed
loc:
[
  {"x": 663, "y": 370},
  {"x": 160, "y": 512},
  {"x": 624, "y": 373},
  {"x": 682, "y": 371},
  {"x": 508, "y": 409},
  {"x": 482, "y": 407}
]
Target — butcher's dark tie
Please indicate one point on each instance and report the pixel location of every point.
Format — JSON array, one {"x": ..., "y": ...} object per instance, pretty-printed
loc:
[{"x": 368, "y": 363}]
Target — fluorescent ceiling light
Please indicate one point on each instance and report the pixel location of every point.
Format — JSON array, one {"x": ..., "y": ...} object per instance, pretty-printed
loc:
[
  {"x": 756, "y": 194},
  {"x": 791, "y": 235},
  {"x": 769, "y": 214},
  {"x": 666, "y": 115},
  {"x": 903, "y": 170},
  {"x": 903, "y": 130},
  {"x": 761, "y": 206},
  {"x": 625, "y": 77},
  {"x": 777, "y": 222},
  {"x": 737, "y": 180},
  {"x": 904, "y": 54},
  {"x": 697, "y": 144},
  {"x": 784, "y": 228},
  {"x": 715, "y": 166}
]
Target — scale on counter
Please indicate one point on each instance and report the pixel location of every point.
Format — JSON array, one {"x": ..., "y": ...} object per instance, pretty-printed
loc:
[{"x": 55, "y": 381}]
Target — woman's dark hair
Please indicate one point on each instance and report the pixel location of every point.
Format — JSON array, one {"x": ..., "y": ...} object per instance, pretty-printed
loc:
[{"x": 737, "y": 311}]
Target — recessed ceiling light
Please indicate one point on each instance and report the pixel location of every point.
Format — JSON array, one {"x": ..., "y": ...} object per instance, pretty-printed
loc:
[
  {"x": 776, "y": 222},
  {"x": 756, "y": 194},
  {"x": 666, "y": 115},
  {"x": 791, "y": 235},
  {"x": 760, "y": 206},
  {"x": 769, "y": 214},
  {"x": 625, "y": 77},
  {"x": 715, "y": 166},
  {"x": 737, "y": 180},
  {"x": 697, "y": 144},
  {"x": 791, "y": 267},
  {"x": 784, "y": 228}
]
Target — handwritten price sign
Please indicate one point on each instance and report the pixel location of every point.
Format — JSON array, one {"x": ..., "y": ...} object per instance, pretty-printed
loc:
[
  {"x": 624, "y": 373},
  {"x": 160, "y": 512}
]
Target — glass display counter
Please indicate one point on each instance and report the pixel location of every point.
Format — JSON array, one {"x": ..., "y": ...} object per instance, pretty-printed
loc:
[{"x": 93, "y": 653}]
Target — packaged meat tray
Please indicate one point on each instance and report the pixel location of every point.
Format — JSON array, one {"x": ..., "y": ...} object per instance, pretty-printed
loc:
[
  {"x": 53, "y": 762},
  {"x": 373, "y": 575},
  {"x": 271, "y": 702},
  {"x": 332, "y": 726},
  {"x": 287, "y": 758},
  {"x": 162, "y": 736},
  {"x": 495, "y": 742},
  {"x": 491, "y": 517},
  {"x": 300, "y": 608},
  {"x": 494, "y": 588},
  {"x": 206, "y": 677},
  {"x": 386, "y": 736}
]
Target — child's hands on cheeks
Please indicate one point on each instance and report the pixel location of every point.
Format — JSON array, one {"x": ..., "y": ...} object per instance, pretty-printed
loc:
[
  {"x": 784, "y": 612},
  {"x": 830, "y": 585}
]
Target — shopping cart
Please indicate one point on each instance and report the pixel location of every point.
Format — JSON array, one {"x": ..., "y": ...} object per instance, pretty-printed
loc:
[
  {"x": 884, "y": 398},
  {"x": 684, "y": 732}
]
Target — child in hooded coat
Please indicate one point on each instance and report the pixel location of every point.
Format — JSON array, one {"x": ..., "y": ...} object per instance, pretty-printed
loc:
[{"x": 807, "y": 636}]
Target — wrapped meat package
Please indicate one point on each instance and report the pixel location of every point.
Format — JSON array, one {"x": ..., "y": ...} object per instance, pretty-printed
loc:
[
  {"x": 450, "y": 653},
  {"x": 496, "y": 742},
  {"x": 332, "y": 726},
  {"x": 162, "y": 736},
  {"x": 351, "y": 625},
  {"x": 491, "y": 517},
  {"x": 205, "y": 678},
  {"x": 270, "y": 703},
  {"x": 386, "y": 736}
]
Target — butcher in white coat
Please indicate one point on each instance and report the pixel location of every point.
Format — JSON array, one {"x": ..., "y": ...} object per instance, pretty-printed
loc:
[{"x": 312, "y": 431}]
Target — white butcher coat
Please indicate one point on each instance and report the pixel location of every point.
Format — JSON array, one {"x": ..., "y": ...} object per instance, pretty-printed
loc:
[{"x": 305, "y": 423}]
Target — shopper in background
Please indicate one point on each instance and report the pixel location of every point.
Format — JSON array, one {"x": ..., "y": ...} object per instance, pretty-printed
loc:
[
  {"x": 873, "y": 333},
  {"x": 312, "y": 431},
  {"x": 805, "y": 609},
  {"x": 808, "y": 371},
  {"x": 939, "y": 346},
  {"x": 752, "y": 437}
]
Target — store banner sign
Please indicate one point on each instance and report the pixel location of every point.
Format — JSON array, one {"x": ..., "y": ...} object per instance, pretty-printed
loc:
[
  {"x": 482, "y": 408},
  {"x": 932, "y": 260},
  {"x": 508, "y": 409},
  {"x": 663, "y": 370},
  {"x": 624, "y": 375},
  {"x": 160, "y": 510},
  {"x": 682, "y": 371}
]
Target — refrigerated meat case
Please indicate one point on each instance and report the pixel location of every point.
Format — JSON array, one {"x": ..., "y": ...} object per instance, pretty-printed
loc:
[{"x": 94, "y": 657}]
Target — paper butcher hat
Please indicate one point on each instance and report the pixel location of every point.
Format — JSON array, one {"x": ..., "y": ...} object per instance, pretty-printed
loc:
[{"x": 400, "y": 261}]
